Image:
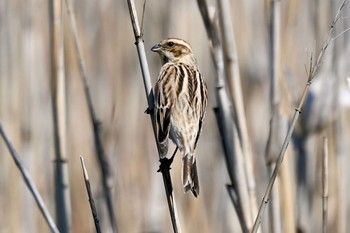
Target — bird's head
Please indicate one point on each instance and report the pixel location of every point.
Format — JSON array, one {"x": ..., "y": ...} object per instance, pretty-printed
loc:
[{"x": 175, "y": 50}]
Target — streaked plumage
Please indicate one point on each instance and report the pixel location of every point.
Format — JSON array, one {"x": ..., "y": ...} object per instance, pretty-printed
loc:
[{"x": 180, "y": 103}]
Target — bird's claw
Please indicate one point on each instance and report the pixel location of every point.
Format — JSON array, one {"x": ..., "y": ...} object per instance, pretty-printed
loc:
[
  {"x": 165, "y": 164},
  {"x": 149, "y": 111}
]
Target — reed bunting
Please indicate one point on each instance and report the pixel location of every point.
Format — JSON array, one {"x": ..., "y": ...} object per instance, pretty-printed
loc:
[{"x": 180, "y": 102}]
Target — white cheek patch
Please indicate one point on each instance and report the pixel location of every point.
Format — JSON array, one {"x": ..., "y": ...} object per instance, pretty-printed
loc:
[{"x": 169, "y": 55}]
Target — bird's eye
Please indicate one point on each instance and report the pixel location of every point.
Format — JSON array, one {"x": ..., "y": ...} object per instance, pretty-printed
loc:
[{"x": 170, "y": 44}]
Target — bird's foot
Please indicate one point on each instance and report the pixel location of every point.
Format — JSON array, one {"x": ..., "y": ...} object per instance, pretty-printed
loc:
[
  {"x": 165, "y": 163},
  {"x": 149, "y": 111}
]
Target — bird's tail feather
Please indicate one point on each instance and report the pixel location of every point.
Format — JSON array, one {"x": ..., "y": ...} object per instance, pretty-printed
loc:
[{"x": 190, "y": 175}]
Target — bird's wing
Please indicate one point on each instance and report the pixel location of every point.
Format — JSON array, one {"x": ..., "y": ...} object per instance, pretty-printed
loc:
[
  {"x": 164, "y": 101},
  {"x": 203, "y": 105}
]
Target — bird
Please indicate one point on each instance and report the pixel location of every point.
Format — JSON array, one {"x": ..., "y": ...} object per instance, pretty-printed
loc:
[{"x": 180, "y": 101}]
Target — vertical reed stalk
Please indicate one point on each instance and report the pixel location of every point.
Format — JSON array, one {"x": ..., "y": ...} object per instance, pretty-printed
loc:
[
  {"x": 238, "y": 189},
  {"x": 277, "y": 120},
  {"x": 150, "y": 100},
  {"x": 325, "y": 185},
  {"x": 234, "y": 80},
  {"x": 58, "y": 98}
]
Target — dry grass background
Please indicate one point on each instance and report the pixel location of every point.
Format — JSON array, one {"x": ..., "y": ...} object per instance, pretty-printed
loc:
[{"x": 118, "y": 96}]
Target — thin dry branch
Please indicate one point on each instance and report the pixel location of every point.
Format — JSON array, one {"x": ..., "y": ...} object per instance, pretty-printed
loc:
[
  {"x": 101, "y": 155},
  {"x": 330, "y": 40},
  {"x": 91, "y": 198},
  {"x": 30, "y": 184},
  {"x": 311, "y": 75},
  {"x": 150, "y": 100}
]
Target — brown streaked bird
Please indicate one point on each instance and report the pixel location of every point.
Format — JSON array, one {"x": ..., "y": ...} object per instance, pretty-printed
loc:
[{"x": 180, "y": 103}]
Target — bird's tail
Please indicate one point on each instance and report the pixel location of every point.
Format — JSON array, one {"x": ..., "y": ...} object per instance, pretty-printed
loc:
[{"x": 190, "y": 175}]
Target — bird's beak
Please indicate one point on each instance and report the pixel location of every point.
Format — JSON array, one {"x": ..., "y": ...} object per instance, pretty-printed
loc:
[{"x": 156, "y": 48}]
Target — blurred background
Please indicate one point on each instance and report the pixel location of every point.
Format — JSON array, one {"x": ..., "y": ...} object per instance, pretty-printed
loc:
[{"x": 117, "y": 92}]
